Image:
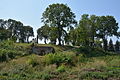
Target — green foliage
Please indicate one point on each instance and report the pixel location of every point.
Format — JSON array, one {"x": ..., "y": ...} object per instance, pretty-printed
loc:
[
  {"x": 32, "y": 61},
  {"x": 59, "y": 15},
  {"x": 117, "y": 45},
  {"x": 4, "y": 34},
  {"x": 105, "y": 44},
  {"x": 98, "y": 64},
  {"x": 72, "y": 37},
  {"x": 8, "y": 50},
  {"x": 93, "y": 52},
  {"x": 46, "y": 76},
  {"x": 43, "y": 32},
  {"x": 85, "y": 50},
  {"x": 82, "y": 58},
  {"x": 107, "y": 26},
  {"x": 15, "y": 29},
  {"x": 61, "y": 68},
  {"x": 9, "y": 54},
  {"x": 53, "y": 35},
  {"x": 111, "y": 47},
  {"x": 7, "y": 44},
  {"x": 84, "y": 30},
  {"x": 59, "y": 58},
  {"x": 94, "y": 75}
]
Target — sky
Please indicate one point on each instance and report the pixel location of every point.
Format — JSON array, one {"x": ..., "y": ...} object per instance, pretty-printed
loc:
[{"x": 29, "y": 12}]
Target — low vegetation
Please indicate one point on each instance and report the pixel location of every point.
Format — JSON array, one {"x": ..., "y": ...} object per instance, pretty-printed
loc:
[{"x": 73, "y": 64}]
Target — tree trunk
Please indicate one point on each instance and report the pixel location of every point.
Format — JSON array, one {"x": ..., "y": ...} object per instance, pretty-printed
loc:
[
  {"x": 105, "y": 44},
  {"x": 93, "y": 41},
  {"x": 37, "y": 39},
  {"x": 60, "y": 34},
  {"x": 27, "y": 39},
  {"x": 45, "y": 41}
]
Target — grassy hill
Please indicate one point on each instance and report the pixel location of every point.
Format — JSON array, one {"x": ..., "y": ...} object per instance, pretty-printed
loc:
[{"x": 68, "y": 63}]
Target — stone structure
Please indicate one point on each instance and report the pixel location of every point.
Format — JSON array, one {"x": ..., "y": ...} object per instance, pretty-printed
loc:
[{"x": 42, "y": 50}]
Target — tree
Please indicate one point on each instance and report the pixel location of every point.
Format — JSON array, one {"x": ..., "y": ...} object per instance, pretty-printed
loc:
[
  {"x": 111, "y": 46},
  {"x": 16, "y": 28},
  {"x": 105, "y": 45},
  {"x": 72, "y": 36},
  {"x": 93, "y": 24},
  {"x": 60, "y": 16},
  {"x": 43, "y": 33},
  {"x": 117, "y": 46},
  {"x": 2, "y": 22},
  {"x": 107, "y": 26},
  {"x": 84, "y": 30},
  {"x": 53, "y": 35},
  {"x": 4, "y": 34},
  {"x": 28, "y": 31}
]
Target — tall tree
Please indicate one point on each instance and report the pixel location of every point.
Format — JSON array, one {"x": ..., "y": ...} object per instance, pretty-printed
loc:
[
  {"x": 16, "y": 28},
  {"x": 43, "y": 33},
  {"x": 2, "y": 22},
  {"x": 105, "y": 45},
  {"x": 117, "y": 46},
  {"x": 60, "y": 16},
  {"x": 93, "y": 24},
  {"x": 84, "y": 30},
  {"x": 4, "y": 34},
  {"x": 73, "y": 36},
  {"x": 53, "y": 35},
  {"x": 28, "y": 32},
  {"x": 107, "y": 26},
  {"x": 111, "y": 46}
]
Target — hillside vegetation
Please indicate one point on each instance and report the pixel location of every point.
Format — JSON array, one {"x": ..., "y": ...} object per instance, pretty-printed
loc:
[{"x": 68, "y": 63}]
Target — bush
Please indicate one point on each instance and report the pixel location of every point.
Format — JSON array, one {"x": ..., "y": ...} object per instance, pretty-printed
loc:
[
  {"x": 59, "y": 58},
  {"x": 6, "y": 54},
  {"x": 61, "y": 68},
  {"x": 82, "y": 58},
  {"x": 32, "y": 61},
  {"x": 46, "y": 76},
  {"x": 94, "y": 75},
  {"x": 9, "y": 54},
  {"x": 85, "y": 50},
  {"x": 9, "y": 45}
]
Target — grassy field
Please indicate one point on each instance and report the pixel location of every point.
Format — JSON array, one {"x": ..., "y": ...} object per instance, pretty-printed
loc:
[{"x": 68, "y": 63}]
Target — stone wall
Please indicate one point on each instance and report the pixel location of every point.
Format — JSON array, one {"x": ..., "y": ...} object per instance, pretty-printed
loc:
[{"x": 42, "y": 50}]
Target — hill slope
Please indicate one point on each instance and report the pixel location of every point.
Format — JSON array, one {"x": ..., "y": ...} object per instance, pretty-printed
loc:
[{"x": 63, "y": 65}]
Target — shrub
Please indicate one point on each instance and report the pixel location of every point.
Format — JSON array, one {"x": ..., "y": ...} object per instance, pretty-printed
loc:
[
  {"x": 6, "y": 54},
  {"x": 9, "y": 54},
  {"x": 85, "y": 50},
  {"x": 59, "y": 58},
  {"x": 46, "y": 76},
  {"x": 61, "y": 68},
  {"x": 32, "y": 61},
  {"x": 9, "y": 45},
  {"x": 94, "y": 75},
  {"x": 82, "y": 58}
]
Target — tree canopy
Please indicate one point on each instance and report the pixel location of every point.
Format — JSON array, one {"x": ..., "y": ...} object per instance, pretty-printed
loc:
[{"x": 60, "y": 16}]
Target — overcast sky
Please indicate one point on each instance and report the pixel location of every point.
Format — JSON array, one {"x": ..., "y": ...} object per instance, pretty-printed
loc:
[{"x": 30, "y": 12}]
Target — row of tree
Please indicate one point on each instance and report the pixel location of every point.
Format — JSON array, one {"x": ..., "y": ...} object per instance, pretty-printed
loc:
[
  {"x": 60, "y": 24},
  {"x": 113, "y": 47},
  {"x": 15, "y": 30}
]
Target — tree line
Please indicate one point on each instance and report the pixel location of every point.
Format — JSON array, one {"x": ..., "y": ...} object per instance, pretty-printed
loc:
[
  {"x": 91, "y": 30},
  {"x": 15, "y": 30},
  {"x": 60, "y": 25}
]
